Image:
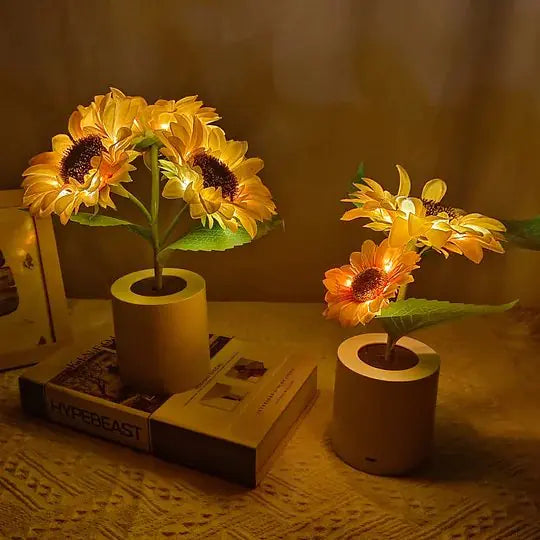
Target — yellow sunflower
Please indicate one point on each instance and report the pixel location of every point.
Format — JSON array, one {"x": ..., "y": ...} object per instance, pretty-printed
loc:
[
  {"x": 213, "y": 176},
  {"x": 77, "y": 171},
  {"x": 425, "y": 222},
  {"x": 358, "y": 291},
  {"x": 162, "y": 113},
  {"x": 84, "y": 165}
]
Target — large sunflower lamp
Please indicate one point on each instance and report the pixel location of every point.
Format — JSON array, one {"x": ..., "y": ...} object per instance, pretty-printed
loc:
[
  {"x": 160, "y": 314},
  {"x": 386, "y": 384}
]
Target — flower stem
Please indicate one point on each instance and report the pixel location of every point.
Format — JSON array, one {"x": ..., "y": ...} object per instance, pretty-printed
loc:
[
  {"x": 389, "y": 350},
  {"x": 154, "y": 214},
  {"x": 173, "y": 224},
  {"x": 402, "y": 292}
]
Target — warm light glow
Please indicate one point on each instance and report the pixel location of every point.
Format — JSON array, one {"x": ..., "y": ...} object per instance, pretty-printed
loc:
[{"x": 358, "y": 291}]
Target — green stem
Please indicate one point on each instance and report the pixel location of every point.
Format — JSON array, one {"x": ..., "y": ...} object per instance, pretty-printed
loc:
[
  {"x": 388, "y": 352},
  {"x": 173, "y": 224},
  {"x": 154, "y": 213},
  {"x": 402, "y": 292}
]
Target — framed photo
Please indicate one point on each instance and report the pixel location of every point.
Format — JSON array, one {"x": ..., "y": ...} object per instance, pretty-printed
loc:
[{"x": 33, "y": 309}]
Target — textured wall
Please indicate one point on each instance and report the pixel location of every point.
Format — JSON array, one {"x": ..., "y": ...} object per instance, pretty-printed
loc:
[{"x": 448, "y": 88}]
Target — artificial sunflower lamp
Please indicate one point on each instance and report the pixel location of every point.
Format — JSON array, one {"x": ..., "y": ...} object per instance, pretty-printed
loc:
[
  {"x": 160, "y": 313},
  {"x": 386, "y": 384}
]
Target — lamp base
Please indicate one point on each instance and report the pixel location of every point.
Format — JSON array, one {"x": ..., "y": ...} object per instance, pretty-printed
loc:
[{"x": 383, "y": 418}]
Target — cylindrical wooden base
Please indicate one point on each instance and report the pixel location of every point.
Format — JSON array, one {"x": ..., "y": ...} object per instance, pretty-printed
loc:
[
  {"x": 383, "y": 420},
  {"x": 161, "y": 341}
]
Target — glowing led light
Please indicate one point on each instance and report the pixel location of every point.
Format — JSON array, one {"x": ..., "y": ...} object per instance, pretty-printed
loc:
[{"x": 407, "y": 206}]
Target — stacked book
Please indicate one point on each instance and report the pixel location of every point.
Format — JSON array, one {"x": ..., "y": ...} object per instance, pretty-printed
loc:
[{"x": 230, "y": 425}]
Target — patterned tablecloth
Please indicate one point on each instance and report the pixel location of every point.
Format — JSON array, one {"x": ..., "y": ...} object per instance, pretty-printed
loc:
[{"x": 483, "y": 481}]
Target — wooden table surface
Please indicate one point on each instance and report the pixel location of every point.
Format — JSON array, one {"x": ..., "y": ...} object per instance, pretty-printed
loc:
[{"x": 482, "y": 482}]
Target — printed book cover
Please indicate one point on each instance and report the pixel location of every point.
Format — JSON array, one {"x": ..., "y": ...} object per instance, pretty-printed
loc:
[{"x": 229, "y": 425}]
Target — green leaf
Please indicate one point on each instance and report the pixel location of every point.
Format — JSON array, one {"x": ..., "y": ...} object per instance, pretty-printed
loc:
[
  {"x": 404, "y": 316},
  {"x": 217, "y": 239},
  {"x": 358, "y": 180},
  {"x": 524, "y": 233},
  {"x": 97, "y": 220}
]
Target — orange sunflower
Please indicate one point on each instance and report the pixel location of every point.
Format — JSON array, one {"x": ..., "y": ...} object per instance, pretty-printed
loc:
[
  {"x": 425, "y": 222},
  {"x": 358, "y": 291},
  {"x": 213, "y": 175}
]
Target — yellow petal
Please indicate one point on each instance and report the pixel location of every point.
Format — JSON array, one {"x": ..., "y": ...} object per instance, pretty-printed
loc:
[
  {"x": 404, "y": 182},
  {"x": 234, "y": 152},
  {"x": 173, "y": 189},
  {"x": 248, "y": 167},
  {"x": 60, "y": 143},
  {"x": 417, "y": 225},
  {"x": 434, "y": 190},
  {"x": 353, "y": 214},
  {"x": 472, "y": 249},
  {"x": 399, "y": 233},
  {"x": 248, "y": 224},
  {"x": 437, "y": 238}
]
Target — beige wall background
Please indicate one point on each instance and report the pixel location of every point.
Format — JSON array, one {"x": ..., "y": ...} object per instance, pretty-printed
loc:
[{"x": 447, "y": 88}]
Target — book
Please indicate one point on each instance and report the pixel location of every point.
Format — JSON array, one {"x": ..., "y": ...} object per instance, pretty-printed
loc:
[{"x": 230, "y": 425}]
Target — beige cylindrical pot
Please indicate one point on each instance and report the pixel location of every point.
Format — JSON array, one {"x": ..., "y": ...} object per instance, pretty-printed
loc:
[
  {"x": 161, "y": 341},
  {"x": 383, "y": 419}
]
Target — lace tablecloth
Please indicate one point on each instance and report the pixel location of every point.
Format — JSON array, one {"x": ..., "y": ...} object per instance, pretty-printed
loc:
[{"x": 483, "y": 480}]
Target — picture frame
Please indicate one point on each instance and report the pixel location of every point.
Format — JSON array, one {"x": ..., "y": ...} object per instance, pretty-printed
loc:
[{"x": 33, "y": 309}]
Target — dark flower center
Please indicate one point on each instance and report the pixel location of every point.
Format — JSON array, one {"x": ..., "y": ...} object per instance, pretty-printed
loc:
[
  {"x": 434, "y": 208},
  {"x": 77, "y": 158},
  {"x": 217, "y": 174},
  {"x": 368, "y": 285}
]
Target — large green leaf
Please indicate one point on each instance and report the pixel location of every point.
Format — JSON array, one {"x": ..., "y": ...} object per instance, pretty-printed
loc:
[
  {"x": 524, "y": 233},
  {"x": 218, "y": 239},
  {"x": 97, "y": 220},
  {"x": 404, "y": 316}
]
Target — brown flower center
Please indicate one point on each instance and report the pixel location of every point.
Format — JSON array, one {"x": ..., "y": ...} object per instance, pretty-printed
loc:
[
  {"x": 368, "y": 285},
  {"x": 434, "y": 208},
  {"x": 77, "y": 158},
  {"x": 216, "y": 174}
]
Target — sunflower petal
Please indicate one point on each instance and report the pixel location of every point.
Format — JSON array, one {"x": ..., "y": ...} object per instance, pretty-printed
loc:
[
  {"x": 404, "y": 182},
  {"x": 434, "y": 190},
  {"x": 399, "y": 233}
]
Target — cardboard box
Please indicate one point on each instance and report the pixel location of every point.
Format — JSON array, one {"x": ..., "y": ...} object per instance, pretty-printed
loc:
[{"x": 229, "y": 425}]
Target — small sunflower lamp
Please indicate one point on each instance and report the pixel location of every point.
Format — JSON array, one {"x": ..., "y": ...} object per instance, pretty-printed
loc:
[
  {"x": 160, "y": 314},
  {"x": 386, "y": 384}
]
